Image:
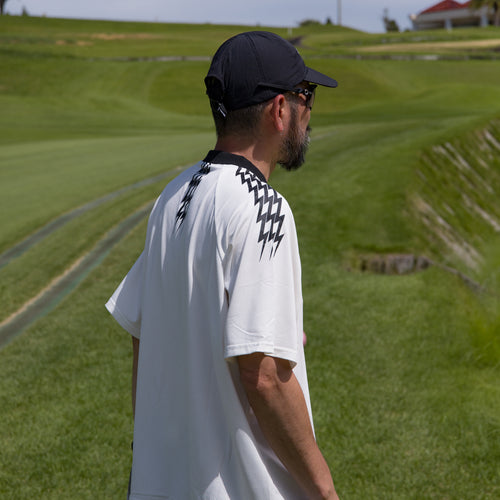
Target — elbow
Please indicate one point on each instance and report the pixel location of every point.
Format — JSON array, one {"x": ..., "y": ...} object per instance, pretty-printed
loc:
[
  {"x": 257, "y": 383},
  {"x": 263, "y": 375}
]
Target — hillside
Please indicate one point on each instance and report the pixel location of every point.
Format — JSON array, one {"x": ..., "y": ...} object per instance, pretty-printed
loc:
[{"x": 97, "y": 117}]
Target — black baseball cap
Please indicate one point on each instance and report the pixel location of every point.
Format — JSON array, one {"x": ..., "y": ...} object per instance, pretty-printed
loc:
[{"x": 256, "y": 66}]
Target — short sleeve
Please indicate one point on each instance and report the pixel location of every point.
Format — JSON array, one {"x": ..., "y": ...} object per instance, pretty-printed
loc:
[
  {"x": 262, "y": 279},
  {"x": 125, "y": 303}
]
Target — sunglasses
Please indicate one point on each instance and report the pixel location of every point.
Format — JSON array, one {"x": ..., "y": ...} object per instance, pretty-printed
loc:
[{"x": 308, "y": 93}]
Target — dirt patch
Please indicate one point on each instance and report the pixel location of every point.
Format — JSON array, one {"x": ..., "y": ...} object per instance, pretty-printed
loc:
[
  {"x": 390, "y": 263},
  {"x": 403, "y": 264},
  {"x": 80, "y": 43}
]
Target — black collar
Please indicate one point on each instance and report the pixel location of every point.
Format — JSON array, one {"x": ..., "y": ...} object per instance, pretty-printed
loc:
[{"x": 223, "y": 158}]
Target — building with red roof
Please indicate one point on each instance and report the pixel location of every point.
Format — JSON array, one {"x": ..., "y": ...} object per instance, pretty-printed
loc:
[
  {"x": 451, "y": 14},
  {"x": 445, "y": 5}
]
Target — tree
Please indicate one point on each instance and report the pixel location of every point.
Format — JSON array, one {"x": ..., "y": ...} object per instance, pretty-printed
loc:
[
  {"x": 477, "y": 4},
  {"x": 390, "y": 24},
  {"x": 2, "y": 3},
  {"x": 309, "y": 22}
]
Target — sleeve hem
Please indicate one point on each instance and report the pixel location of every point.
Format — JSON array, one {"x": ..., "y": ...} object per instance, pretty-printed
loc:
[
  {"x": 122, "y": 320},
  {"x": 266, "y": 348}
]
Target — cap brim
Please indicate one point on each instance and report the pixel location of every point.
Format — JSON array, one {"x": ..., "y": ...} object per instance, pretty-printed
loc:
[{"x": 313, "y": 76}]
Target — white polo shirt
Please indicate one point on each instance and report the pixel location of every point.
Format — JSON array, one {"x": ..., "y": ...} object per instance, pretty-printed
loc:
[{"x": 219, "y": 277}]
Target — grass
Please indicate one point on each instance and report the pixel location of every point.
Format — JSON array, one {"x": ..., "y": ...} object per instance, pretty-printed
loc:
[
  {"x": 403, "y": 369},
  {"x": 108, "y": 39},
  {"x": 60, "y": 441},
  {"x": 406, "y": 395},
  {"x": 27, "y": 275},
  {"x": 53, "y": 177}
]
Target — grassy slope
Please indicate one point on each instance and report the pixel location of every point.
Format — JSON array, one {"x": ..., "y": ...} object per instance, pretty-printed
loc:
[{"x": 405, "y": 406}]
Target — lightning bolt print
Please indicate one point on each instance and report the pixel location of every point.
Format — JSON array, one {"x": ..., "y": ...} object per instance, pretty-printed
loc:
[
  {"x": 269, "y": 215},
  {"x": 186, "y": 200}
]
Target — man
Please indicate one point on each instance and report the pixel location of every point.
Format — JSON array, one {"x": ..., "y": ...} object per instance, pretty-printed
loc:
[{"x": 214, "y": 302}]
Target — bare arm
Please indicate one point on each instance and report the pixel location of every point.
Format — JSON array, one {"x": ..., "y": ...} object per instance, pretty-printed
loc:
[
  {"x": 279, "y": 405},
  {"x": 135, "y": 346}
]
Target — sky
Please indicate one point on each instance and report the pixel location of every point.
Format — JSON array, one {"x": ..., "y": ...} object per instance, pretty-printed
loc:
[{"x": 365, "y": 15}]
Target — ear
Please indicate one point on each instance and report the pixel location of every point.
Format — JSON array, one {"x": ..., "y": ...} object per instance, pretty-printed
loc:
[{"x": 277, "y": 112}]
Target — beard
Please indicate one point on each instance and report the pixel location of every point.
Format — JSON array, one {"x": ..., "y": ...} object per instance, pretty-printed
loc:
[{"x": 294, "y": 146}]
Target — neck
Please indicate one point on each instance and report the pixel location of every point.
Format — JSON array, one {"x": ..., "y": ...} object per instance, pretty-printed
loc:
[{"x": 256, "y": 152}]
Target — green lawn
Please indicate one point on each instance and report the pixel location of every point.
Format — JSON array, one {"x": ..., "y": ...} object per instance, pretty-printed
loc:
[{"x": 403, "y": 369}]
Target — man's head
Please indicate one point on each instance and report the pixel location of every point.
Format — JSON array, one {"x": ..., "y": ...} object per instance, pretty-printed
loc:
[
  {"x": 248, "y": 71},
  {"x": 254, "y": 67}
]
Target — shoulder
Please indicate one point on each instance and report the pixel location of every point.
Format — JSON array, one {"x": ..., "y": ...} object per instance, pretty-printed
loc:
[
  {"x": 247, "y": 189},
  {"x": 252, "y": 212},
  {"x": 182, "y": 186}
]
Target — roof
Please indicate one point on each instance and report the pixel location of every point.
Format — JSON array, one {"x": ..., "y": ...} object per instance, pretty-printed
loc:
[{"x": 446, "y": 5}]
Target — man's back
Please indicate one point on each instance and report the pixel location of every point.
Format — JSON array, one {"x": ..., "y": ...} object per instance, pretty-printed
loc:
[{"x": 214, "y": 233}]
